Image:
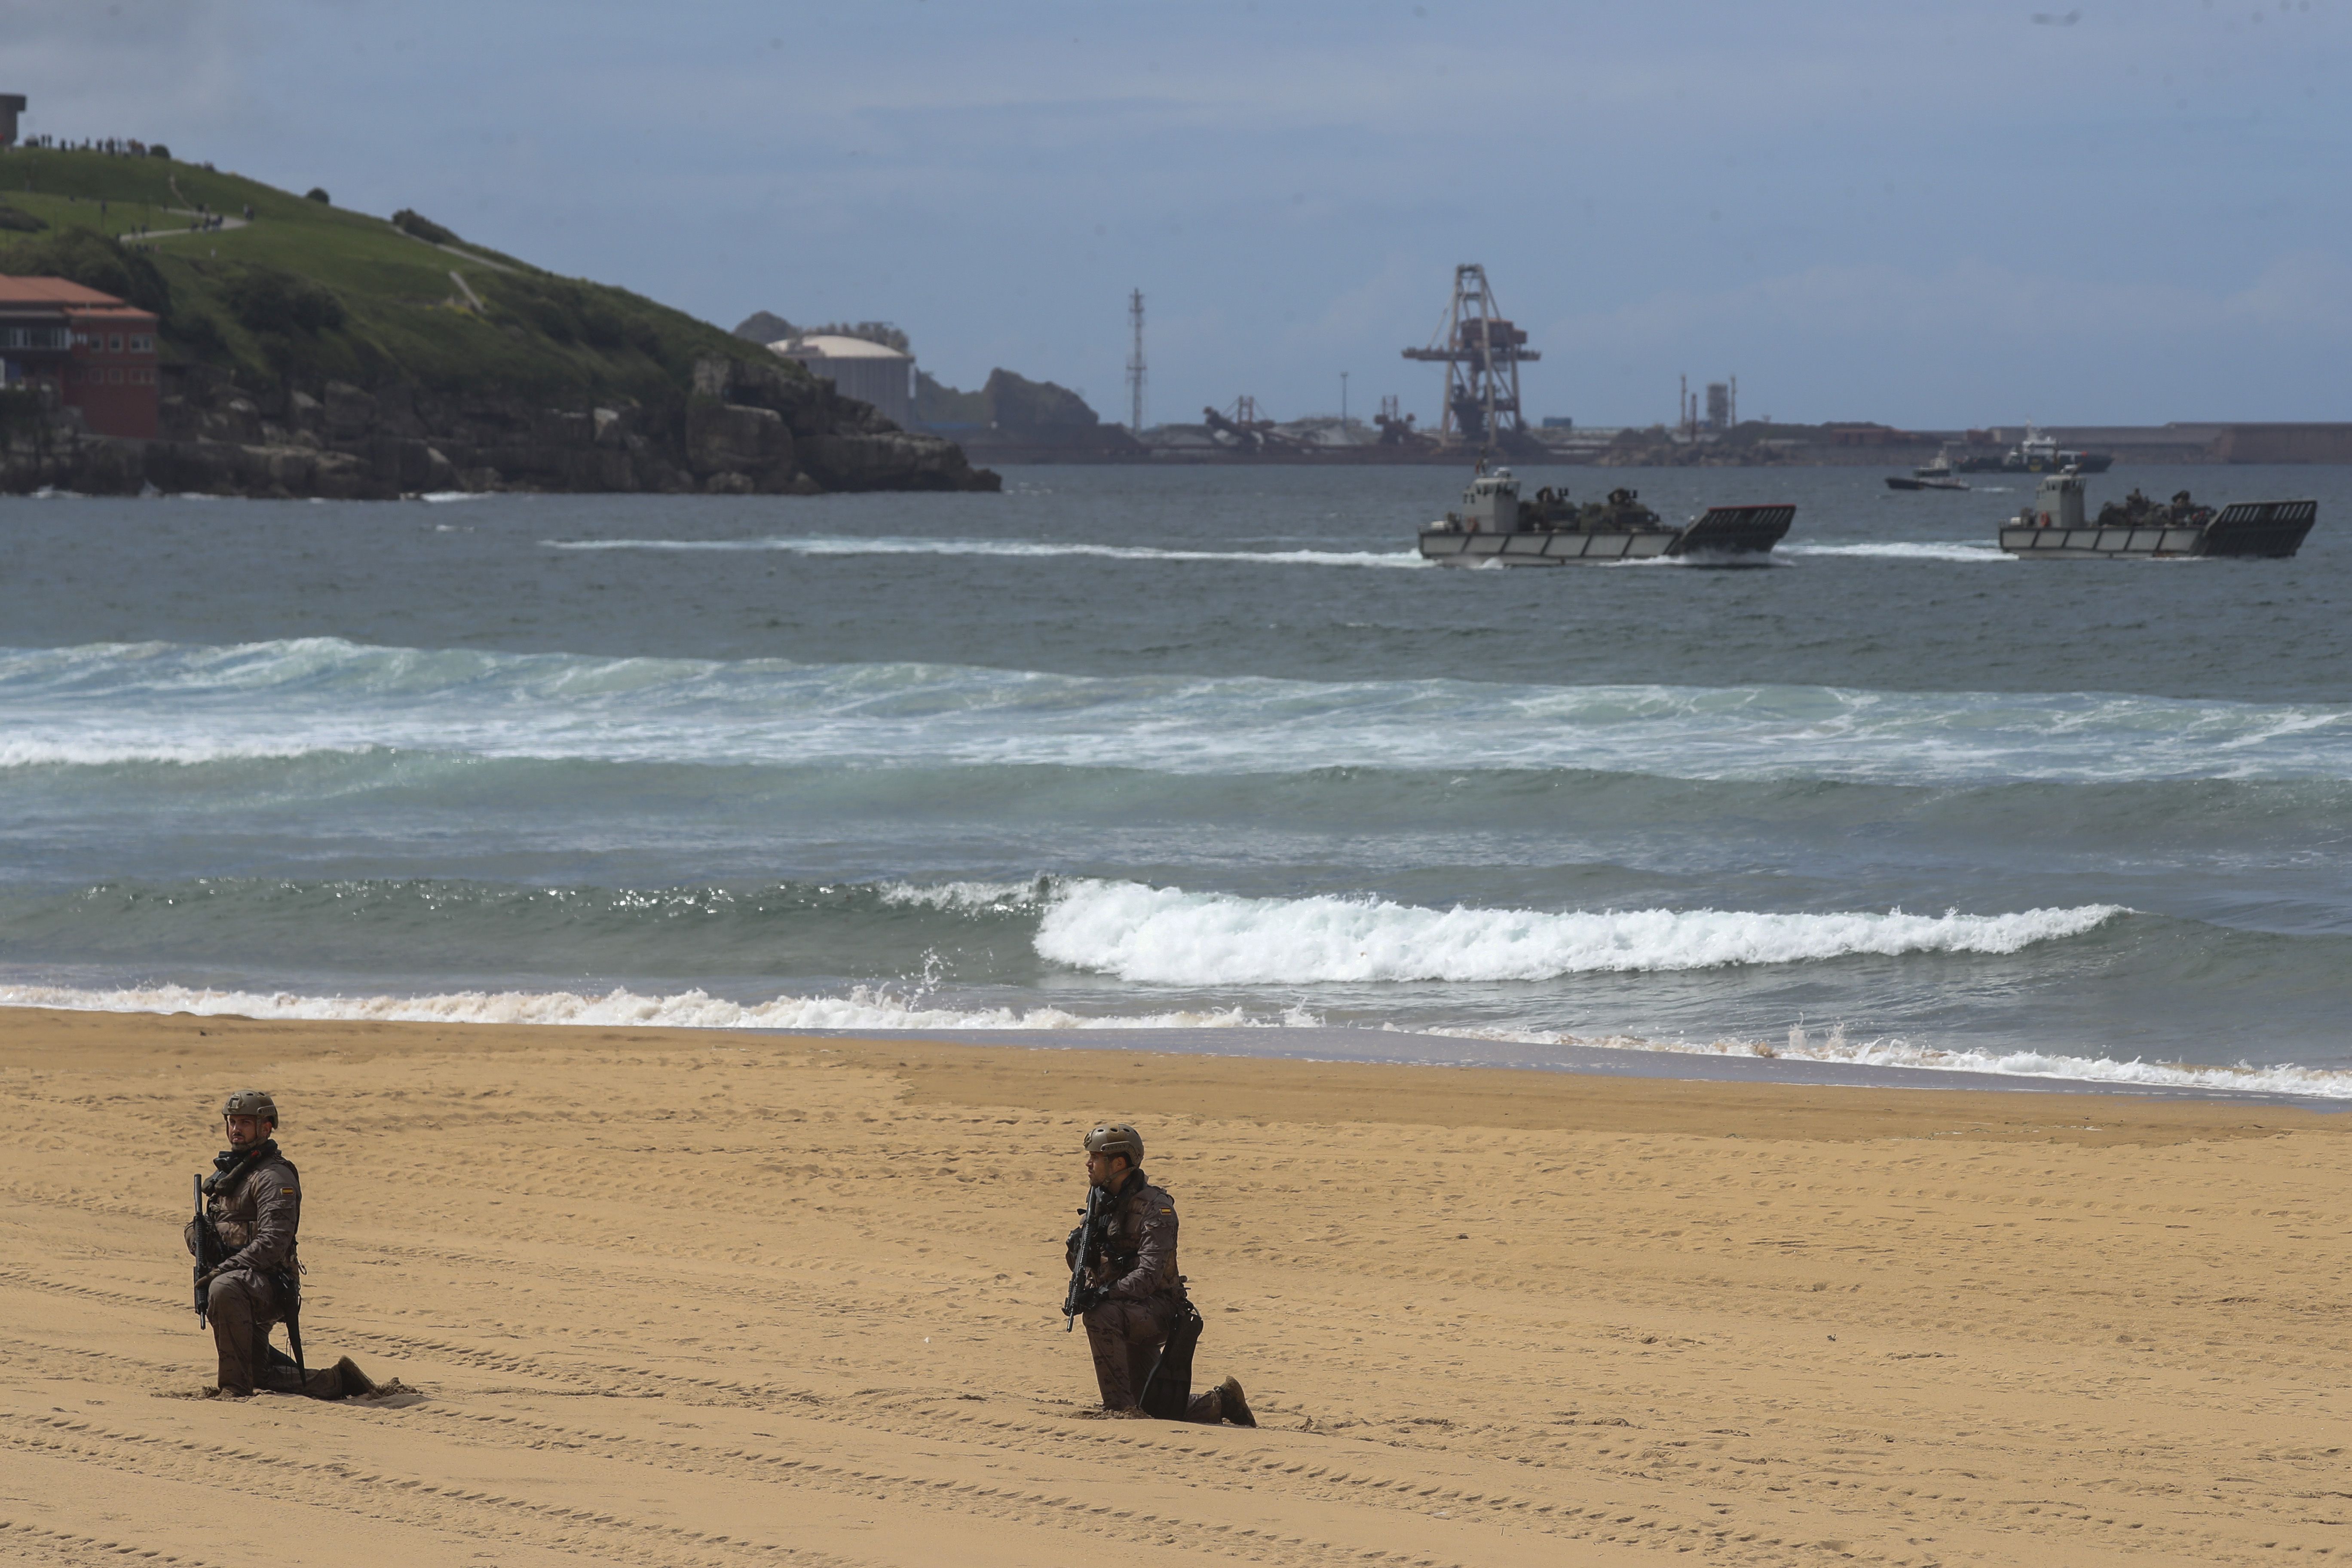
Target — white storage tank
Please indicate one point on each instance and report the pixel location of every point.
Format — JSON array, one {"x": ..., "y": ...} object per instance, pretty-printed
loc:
[{"x": 871, "y": 372}]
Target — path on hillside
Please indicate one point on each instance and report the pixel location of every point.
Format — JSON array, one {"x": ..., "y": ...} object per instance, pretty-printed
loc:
[
  {"x": 193, "y": 214},
  {"x": 226, "y": 223},
  {"x": 464, "y": 254}
]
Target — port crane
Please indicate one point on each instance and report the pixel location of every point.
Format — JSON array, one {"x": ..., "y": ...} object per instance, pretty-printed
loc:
[{"x": 1482, "y": 353}]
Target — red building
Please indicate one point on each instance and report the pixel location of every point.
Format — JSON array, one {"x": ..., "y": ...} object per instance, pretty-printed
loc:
[{"x": 96, "y": 350}]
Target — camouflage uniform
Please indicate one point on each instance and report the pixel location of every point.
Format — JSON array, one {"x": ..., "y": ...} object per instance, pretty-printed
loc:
[
  {"x": 253, "y": 1206},
  {"x": 256, "y": 1211},
  {"x": 1142, "y": 1294}
]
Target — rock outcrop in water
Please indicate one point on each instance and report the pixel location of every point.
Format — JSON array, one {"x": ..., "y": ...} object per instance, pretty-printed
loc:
[{"x": 741, "y": 429}]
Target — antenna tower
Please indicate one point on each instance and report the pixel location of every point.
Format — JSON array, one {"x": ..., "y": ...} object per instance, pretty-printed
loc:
[
  {"x": 1135, "y": 373},
  {"x": 1482, "y": 353}
]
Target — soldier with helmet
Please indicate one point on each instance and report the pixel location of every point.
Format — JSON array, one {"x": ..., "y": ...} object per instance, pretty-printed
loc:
[
  {"x": 1139, "y": 1322},
  {"x": 251, "y": 1208}
]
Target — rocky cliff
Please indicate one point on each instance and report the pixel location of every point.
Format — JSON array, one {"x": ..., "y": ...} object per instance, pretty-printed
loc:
[{"x": 741, "y": 428}]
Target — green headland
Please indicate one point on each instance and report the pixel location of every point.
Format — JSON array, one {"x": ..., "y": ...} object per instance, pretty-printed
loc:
[{"x": 339, "y": 332}]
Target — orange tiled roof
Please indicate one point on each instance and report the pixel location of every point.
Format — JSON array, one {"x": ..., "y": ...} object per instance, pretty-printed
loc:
[{"x": 53, "y": 292}]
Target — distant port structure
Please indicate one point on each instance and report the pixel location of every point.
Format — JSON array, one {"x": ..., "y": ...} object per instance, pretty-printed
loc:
[
  {"x": 1722, "y": 408},
  {"x": 1135, "y": 373},
  {"x": 1482, "y": 352},
  {"x": 1013, "y": 419},
  {"x": 871, "y": 361}
]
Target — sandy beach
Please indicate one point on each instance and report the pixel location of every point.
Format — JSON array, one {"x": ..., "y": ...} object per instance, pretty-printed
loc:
[{"x": 670, "y": 1297}]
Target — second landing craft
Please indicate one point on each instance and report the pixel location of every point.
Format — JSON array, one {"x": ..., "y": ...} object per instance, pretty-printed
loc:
[
  {"x": 1495, "y": 525},
  {"x": 2054, "y": 528}
]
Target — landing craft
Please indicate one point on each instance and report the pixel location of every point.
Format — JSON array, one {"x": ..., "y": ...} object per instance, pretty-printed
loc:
[
  {"x": 2053, "y": 527},
  {"x": 1494, "y": 524}
]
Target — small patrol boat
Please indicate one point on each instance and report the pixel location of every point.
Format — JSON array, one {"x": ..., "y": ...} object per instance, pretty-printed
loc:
[
  {"x": 1496, "y": 525},
  {"x": 1897, "y": 482},
  {"x": 1940, "y": 466},
  {"x": 2053, "y": 528}
]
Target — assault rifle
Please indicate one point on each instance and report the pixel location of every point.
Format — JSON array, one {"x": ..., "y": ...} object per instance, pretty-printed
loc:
[
  {"x": 1083, "y": 1243},
  {"x": 210, "y": 1253}
]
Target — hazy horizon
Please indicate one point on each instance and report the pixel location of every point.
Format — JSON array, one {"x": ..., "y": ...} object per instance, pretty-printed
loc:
[{"x": 1947, "y": 215}]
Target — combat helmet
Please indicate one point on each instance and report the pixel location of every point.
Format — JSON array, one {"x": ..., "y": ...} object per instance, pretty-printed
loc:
[
  {"x": 1117, "y": 1138},
  {"x": 250, "y": 1102}
]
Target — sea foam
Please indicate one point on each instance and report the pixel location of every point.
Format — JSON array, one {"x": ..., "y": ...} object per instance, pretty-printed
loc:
[
  {"x": 1170, "y": 937},
  {"x": 110, "y": 704},
  {"x": 1835, "y": 1048},
  {"x": 1902, "y": 550},
  {"x": 864, "y": 1009},
  {"x": 1009, "y": 549}
]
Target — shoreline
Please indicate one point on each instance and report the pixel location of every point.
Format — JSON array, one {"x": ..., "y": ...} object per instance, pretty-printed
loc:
[
  {"x": 1390, "y": 1048},
  {"x": 1719, "y": 1061}
]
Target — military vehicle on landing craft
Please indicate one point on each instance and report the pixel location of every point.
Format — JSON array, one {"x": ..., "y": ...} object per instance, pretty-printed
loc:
[
  {"x": 2053, "y": 528},
  {"x": 1495, "y": 525}
]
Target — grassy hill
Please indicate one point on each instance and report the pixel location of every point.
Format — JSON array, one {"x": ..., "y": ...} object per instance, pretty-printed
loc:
[
  {"x": 314, "y": 290},
  {"x": 311, "y": 350}
]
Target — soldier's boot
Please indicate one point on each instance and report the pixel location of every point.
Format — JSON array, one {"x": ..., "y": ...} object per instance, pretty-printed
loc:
[
  {"x": 280, "y": 1374},
  {"x": 1232, "y": 1406},
  {"x": 357, "y": 1384}
]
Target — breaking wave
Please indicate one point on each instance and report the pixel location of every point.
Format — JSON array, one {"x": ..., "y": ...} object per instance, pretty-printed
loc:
[
  {"x": 1170, "y": 937},
  {"x": 969, "y": 898}
]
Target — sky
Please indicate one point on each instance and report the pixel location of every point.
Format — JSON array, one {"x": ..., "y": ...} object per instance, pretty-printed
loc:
[{"x": 1927, "y": 214}]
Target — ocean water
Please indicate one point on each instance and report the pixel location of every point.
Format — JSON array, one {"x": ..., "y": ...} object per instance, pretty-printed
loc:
[{"x": 1210, "y": 746}]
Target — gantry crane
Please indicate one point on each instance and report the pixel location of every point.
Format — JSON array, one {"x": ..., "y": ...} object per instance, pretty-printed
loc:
[{"x": 1482, "y": 353}]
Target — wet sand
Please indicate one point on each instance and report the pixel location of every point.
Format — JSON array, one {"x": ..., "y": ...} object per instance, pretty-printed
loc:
[{"x": 675, "y": 1298}]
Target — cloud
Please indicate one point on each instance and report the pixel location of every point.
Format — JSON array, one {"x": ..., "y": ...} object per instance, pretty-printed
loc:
[
  {"x": 1971, "y": 302},
  {"x": 2304, "y": 291},
  {"x": 153, "y": 70},
  {"x": 1364, "y": 312}
]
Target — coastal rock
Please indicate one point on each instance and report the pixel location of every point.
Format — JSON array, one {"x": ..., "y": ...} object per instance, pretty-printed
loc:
[
  {"x": 225, "y": 467},
  {"x": 1038, "y": 421},
  {"x": 838, "y": 443},
  {"x": 349, "y": 412},
  {"x": 889, "y": 460},
  {"x": 744, "y": 427},
  {"x": 738, "y": 441}
]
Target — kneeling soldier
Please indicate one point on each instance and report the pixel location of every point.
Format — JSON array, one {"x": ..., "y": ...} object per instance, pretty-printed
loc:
[
  {"x": 247, "y": 1276},
  {"x": 1139, "y": 1320}
]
